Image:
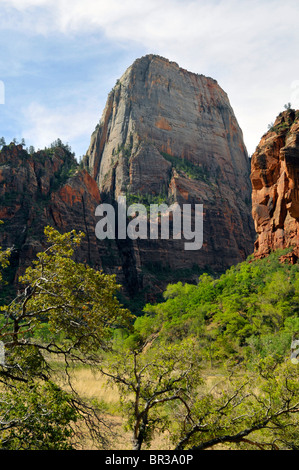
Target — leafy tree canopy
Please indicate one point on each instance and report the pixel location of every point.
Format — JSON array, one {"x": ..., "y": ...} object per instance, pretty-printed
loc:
[
  {"x": 66, "y": 311},
  {"x": 238, "y": 315}
]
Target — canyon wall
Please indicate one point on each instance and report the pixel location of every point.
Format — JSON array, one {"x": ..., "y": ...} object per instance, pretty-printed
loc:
[
  {"x": 166, "y": 135},
  {"x": 172, "y": 135},
  {"x": 275, "y": 186}
]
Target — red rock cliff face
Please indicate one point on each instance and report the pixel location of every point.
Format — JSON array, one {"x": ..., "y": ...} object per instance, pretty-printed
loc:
[
  {"x": 165, "y": 133},
  {"x": 35, "y": 191},
  {"x": 169, "y": 132},
  {"x": 49, "y": 188},
  {"x": 275, "y": 186}
]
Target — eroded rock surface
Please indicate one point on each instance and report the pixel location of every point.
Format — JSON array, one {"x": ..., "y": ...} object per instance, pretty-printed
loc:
[
  {"x": 171, "y": 133},
  {"x": 166, "y": 135},
  {"x": 44, "y": 189},
  {"x": 275, "y": 186}
]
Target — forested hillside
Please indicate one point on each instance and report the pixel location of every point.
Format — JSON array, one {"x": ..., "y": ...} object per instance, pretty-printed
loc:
[
  {"x": 252, "y": 309},
  {"x": 209, "y": 366}
]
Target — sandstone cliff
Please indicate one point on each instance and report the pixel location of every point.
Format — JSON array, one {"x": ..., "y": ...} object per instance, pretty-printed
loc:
[
  {"x": 40, "y": 189},
  {"x": 165, "y": 135},
  {"x": 275, "y": 186},
  {"x": 171, "y": 133},
  {"x": 49, "y": 188}
]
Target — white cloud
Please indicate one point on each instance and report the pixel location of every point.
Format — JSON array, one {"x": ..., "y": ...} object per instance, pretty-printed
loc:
[
  {"x": 250, "y": 47},
  {"x": 224, "y": 26},
  {"x": 24, "y": 4},
  {"x": 295, "y": 94},
  {"x": 45, "y": 125}
]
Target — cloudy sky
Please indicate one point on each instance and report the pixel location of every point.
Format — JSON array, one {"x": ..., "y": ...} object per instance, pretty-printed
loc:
[{"x": 60, "y": 59}]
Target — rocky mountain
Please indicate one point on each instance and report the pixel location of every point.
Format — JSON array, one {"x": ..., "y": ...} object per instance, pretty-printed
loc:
[
  {"x": 275, "y": 186},
  {"x": 166, "y": 135},
  {"x": 44, "y": 188},
  {"x": 169, "y": 134}
]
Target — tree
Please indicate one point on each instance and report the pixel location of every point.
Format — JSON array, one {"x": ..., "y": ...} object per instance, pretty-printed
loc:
[
  {"x": 247, "y": 306},
  {"x": 58, "y": 143},
  {"x": 68, "y": 312},
  {"x": 2, "y": 141},
  {"x": 78, "y": 307},
  {"x": 36, "y": 417},
  {"x": 252, "y": 409},
  {"x": 4, "y": 257},
  {"x": 257, "y": 411},
  {"x": 149, "y": 379}
]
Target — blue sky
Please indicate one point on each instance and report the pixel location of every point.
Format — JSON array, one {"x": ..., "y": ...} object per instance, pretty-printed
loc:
[{"x": 60, "y": 59}]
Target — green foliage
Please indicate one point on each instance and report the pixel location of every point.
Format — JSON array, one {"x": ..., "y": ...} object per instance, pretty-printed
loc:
[
  {"x": 160, "y": 368},
  {"x": 6, "y": 274},
  {"x": 4, "y": 258},
  {"x": 59, "y": 150},
  {"x": 235, "y": 330},
  {"x": 148, "y": 379},
  {"x": 146, "y": 198},
  {"x": 36, "y": 417},
  {"x": 254, "y": 410},
  {"x": 188, "y": 168},
  {"x": 252, "y": 306},
  {"x": 65, "y": 311},
  {"x": 72, "y": 297}
]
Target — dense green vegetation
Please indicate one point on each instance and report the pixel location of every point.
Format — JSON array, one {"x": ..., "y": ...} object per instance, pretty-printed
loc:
[
  {"x": 147, "y": 199},
  {"x": 63, "y": 314},
  {"x": 250, "y": 310},
  {"x": 238, "y": 328},
  {"x": 208, "y": 365}
]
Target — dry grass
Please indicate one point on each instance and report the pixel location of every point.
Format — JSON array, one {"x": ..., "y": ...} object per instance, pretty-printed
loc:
[{"x": 93, "y": 386}]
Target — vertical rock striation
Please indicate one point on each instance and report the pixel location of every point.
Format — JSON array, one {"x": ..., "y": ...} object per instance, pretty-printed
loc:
[
  {"x": 166, "y": 135},
  {"x": 275, "y": 186},
  {"x": 46, "y": 188},
  {"x": 171, "y": 133}
]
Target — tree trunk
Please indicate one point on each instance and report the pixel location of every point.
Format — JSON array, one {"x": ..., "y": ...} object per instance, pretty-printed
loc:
[
  {"x": 139, "y": 434},
  {"x": 137, "y": 443}
]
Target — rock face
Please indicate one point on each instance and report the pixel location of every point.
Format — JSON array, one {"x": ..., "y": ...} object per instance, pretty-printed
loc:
[
  {"x": 37, "y": 190},
  {"x": 166, "y": 135},
  {"x": 49, "y": 188},
  {"x": 169, "y": 133},
  {"x": 275, "y": 186}
]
